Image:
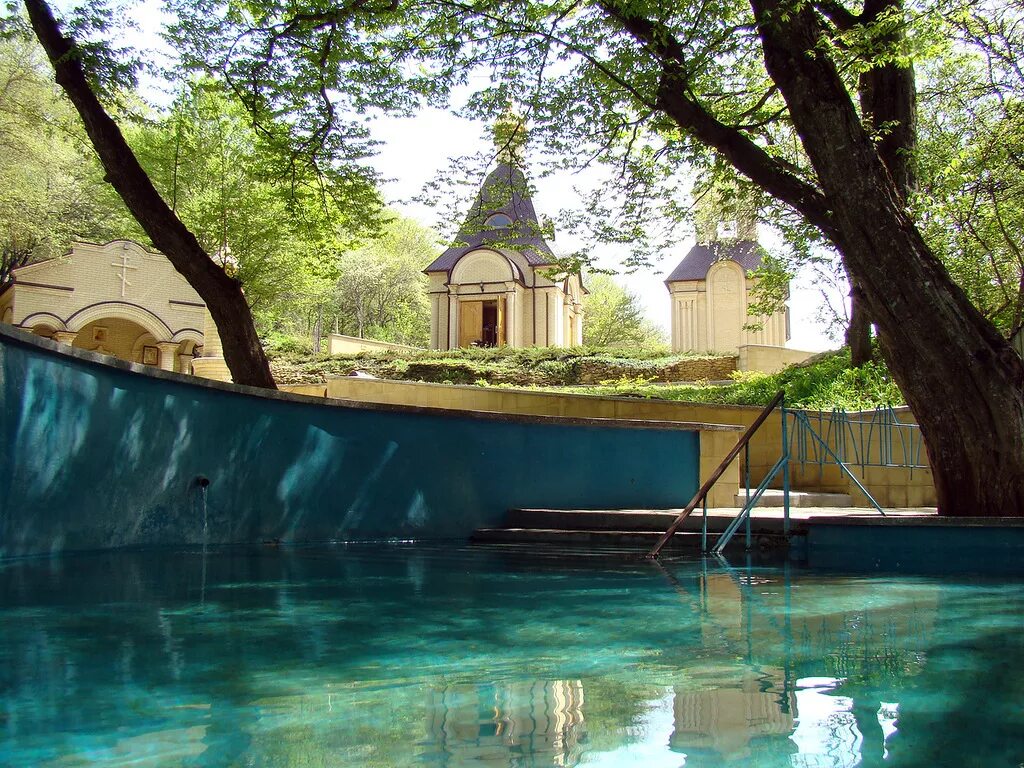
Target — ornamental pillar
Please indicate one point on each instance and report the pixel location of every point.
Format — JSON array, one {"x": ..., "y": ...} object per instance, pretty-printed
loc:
[
  {"x": 511, "y": 337},
  {"x": 168, "y": 352}
]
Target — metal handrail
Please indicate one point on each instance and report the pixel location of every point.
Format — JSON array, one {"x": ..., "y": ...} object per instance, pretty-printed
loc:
[
  {"x": 719, "y": 471},
  {"x": 744, "y": 515},
  {"x": 801, "y": 418}
]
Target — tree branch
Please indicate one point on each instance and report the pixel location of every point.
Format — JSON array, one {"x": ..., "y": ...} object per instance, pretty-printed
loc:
[{"x": 773, "y": 175}]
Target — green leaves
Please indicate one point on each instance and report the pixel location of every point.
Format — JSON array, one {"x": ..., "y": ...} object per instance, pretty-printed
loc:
[
  {"x": 51, "y": 187},
  {"x": 277, "y": 225},
  {"x": 614, "y": 317}
]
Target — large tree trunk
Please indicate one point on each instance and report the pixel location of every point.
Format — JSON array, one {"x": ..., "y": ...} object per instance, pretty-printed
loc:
[
  {"x": 960, "y": 377},
  {"x": 223, "y": 295},
  {"x": 888, "y": 103}
]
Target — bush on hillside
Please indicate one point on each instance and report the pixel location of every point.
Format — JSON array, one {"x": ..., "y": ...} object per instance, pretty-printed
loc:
[{"x": 822, "y": 383}]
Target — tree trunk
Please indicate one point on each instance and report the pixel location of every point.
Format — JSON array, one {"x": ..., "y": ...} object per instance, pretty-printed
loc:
[
  {"x": 858, "y": 332},
  {"x": 962, "y": 380},
  {"x": 318, "y": 327},
  {"x": 223, "y": 295},
  {"x": 888, "y": 103}
]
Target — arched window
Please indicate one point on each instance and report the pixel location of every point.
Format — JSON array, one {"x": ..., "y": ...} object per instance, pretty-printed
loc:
[{"x": 498, "y": 221}]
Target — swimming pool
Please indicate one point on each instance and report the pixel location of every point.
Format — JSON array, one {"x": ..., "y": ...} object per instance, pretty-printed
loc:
[{"x": 411, "y": 655}]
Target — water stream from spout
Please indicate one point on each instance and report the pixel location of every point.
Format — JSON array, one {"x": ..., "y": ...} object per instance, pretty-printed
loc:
[{"x": 206, "y": 542}]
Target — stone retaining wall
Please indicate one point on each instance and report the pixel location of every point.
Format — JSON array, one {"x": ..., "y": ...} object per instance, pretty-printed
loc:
[{"x": 695, "y": 369}]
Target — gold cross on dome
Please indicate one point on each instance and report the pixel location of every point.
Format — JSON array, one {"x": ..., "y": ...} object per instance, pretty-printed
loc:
[{"x": 125, "y": 266}]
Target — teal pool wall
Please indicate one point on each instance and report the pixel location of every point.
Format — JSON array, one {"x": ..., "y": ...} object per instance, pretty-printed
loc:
[
  {"x": 94, "y": 456},
  {"x": 942, "y": 546}
]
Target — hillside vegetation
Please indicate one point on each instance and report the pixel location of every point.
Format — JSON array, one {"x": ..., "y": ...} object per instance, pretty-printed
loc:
[
  {"x": 293, "y": 363},
  {"x": 824, "y": 382}
]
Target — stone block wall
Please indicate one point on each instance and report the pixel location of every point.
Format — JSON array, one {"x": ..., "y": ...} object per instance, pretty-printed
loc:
[{"x": 687, "y": 369}]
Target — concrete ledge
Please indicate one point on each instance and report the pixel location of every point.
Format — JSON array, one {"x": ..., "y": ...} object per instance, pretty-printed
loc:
[
  {"x": 915, "y": 518},
  {"x": 11, "y": 335}
]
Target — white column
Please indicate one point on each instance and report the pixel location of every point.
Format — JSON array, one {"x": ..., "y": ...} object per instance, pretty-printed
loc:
[
  {"x": 65, "y": 337},
  {"x": 453, "y": 322},
  {"x": 677, "y": 323},
  {"x": 435, "y": 320},
  {"x": 168, "y": 351},
  {"x": 552, "y": 305},
  {"x": 185, "y": 364},
  {"x": 511, "y": 332}
]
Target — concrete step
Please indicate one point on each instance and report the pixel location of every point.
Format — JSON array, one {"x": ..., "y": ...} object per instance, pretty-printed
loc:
[
  {"x": 642, "y": 540},
  {"x": 636, "y": 520},
  {"x": 590, "y": 519},
  {"x": 639, "y": 540},
  {"x": 773, "y": 498}
]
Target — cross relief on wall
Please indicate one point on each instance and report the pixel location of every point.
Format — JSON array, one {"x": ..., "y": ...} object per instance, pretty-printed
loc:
[{"x": 124, "y": 266}]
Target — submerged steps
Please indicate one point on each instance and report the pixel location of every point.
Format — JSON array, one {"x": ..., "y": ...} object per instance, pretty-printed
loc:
[
  {"x": 605, "y": 538},
  {"x": 632, "y": 528}
]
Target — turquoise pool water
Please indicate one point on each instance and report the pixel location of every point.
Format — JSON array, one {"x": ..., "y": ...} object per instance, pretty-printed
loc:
[{"x": 470, "y": 657}]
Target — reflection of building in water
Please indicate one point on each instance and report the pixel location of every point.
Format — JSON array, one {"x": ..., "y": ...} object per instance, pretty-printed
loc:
[
  {"x": 721, "y": 725},
  {"x": 513, "y": 724}
]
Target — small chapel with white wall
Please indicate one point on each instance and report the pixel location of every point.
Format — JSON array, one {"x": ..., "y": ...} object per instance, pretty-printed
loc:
[
  {"x": 117, "y": 298},
  {"x": 493, "y": 286},
  {"x": 711, "y": 289}
]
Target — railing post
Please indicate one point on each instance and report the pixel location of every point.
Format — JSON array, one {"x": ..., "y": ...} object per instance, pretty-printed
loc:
[
  {"x": 746, "y": 485},
  {"x": 715, "y": 475},
  {"x": 785, "y": 469},
  {"x": 704, "y": 528}
]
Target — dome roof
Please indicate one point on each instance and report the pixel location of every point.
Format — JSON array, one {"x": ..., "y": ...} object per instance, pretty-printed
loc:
[{"x": 505, "y": 191}]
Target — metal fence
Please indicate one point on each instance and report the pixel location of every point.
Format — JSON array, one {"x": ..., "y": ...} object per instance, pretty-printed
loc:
[{"x": 878, "y": 438}]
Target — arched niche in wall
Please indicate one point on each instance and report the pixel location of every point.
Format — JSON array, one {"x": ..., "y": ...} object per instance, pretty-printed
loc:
[
  {"x": 483, "y": 266},
  {"x": 727, "y": 306}
]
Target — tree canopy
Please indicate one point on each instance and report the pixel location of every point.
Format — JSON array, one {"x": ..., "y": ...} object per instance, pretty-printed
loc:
[
  {"x": 51, "y": 188},
  {"x": 613, "y": 317}
]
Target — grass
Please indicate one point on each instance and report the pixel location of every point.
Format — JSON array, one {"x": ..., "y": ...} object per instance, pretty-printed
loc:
[{"x": 292, "y": 362}]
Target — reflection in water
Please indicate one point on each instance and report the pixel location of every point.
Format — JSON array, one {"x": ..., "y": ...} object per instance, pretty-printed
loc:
[
  {"x": 720, "y": 726},
  {"x": 497, "y": 725},
  {"x": 474, "y": 658}
]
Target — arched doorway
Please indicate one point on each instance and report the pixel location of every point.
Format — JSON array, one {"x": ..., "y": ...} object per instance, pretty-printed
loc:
[{"x": 120, "y": 338}]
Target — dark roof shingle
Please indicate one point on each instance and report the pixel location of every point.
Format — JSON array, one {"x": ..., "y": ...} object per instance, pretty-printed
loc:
[
  {"x": 695, "y": 265},
  {"x": 504, "y": 191}
]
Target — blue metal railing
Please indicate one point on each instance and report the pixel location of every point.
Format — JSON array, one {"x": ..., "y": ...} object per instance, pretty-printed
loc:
[
  {"x": 801, "y": 420},
  {"x": 863, "y": 439},
  {"x": 877, "y": 438},
  {"x": 702, "y": 494}
]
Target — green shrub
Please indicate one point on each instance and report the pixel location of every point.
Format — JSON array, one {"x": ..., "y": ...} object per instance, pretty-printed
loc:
[{"x": 823, "y": 383}]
